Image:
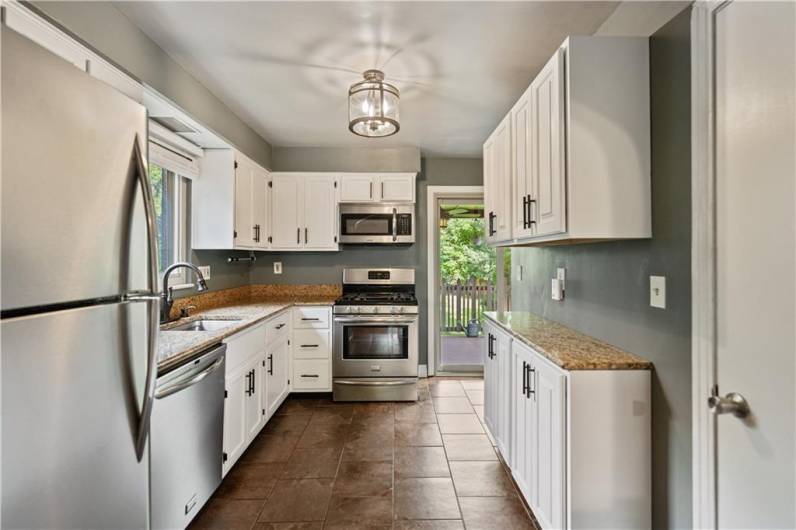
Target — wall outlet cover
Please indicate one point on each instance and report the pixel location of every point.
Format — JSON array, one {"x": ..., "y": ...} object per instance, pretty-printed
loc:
[
  {"x": 561, "y": 275},
  {"x": 277, "y": 267},
  {"x": 205, "y": 270},
  {"x": 658, "y": 291}
]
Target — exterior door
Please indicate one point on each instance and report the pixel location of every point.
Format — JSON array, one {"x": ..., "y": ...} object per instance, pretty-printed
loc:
[
  {"x": 754, "y": 68},
  {"x": 320, "y": 212},
  {"x": 547, "y": 148},
  {"x": 286, "y": 211}
]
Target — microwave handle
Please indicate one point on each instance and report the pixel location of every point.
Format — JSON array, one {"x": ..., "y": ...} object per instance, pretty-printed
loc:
[{"x": 394, "y": 224}]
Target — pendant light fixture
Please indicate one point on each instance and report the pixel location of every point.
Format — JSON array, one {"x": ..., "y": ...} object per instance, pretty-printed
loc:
[{"x": 373, "y": 106}]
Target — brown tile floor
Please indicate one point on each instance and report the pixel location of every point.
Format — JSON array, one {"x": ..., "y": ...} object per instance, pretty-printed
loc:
[{"x": 325, "y": 465}]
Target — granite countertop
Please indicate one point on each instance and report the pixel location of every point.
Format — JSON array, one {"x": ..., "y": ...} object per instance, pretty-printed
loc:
[
  {"x": 176, "y": 346},
  {"x": 567, "y": 348}
]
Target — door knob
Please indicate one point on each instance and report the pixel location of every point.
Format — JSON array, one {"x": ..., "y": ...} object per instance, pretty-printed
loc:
[{"x": 733, "y": 403}]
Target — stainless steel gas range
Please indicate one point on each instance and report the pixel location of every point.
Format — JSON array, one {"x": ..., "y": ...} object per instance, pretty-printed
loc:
[{"x": 375, "y": 336}]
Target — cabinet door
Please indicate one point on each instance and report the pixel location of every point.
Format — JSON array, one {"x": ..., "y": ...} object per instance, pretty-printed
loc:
[
  {"x": 523, "y": 193},
  {"x": 277, "y": 360},
  {"x": 549, "y": 387},
  {"x": 320, "y": 212},
  {"x": 503, "y": 436},
  {"x": 244, "y": 229},
  {"x": 547, "y": 148},
  {"x": 489, "y": 188},
  {"x": 260, "y": 208},
  {"x": 397, "y": 188},
  {"x": 253, "y": 409},
  {"x": 357, "y": 188},
  {"x": 502, "y": 180},
  {"x": 522, "y": 423},
  {"x": 286, "y": 211},
  {"x": 490, "y": 383},
  {"x": 234, "y": 420}
]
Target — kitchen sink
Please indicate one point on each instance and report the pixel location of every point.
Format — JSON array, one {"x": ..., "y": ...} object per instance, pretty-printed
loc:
[{"x": 205, "y": 325}]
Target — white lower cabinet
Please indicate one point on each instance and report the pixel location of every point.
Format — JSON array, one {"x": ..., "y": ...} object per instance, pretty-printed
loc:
[
  {"x": 311, "y": 349},
  {"x": 577, "y": 442},
  {"x": 277, "y": 386}
]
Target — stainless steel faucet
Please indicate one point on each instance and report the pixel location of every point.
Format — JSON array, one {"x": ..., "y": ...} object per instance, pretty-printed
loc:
[{"x": 167, "y": 296}]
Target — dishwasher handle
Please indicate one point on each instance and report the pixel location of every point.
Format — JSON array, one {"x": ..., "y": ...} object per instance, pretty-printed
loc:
[{"x": 185, "y": 383}]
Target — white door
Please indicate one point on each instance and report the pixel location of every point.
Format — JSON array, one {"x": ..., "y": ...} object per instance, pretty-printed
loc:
[
  {"x": 548, "y": 390},
  {"x": 244, "y": 229},
  {"x": 357, "y": 188},
  {"x": 277, "y": 361},
  {"x": 523, "y": 192},
  {"x": 234, "y": 419},
  {"x": 547, "y": 148},
  {"x": 320, "y": 212},
  {"x": 398, "y": 188},
  {"x": 252, "y": 409},
  {"x": 755, "y": 261},
  {"x": 502, "y": 180},
  {"x": 286, "y": 211},
  {"x": 503, "y": 386},
  {"x": 260, "y": 208},
  {"x": 490, "y": 383}
]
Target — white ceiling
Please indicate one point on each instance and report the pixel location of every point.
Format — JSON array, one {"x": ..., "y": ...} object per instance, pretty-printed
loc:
[{"x": 285, "y": 67}]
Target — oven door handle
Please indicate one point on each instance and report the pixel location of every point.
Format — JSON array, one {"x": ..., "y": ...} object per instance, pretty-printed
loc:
[
  {"x": 376, "y": 320},
  {"x": 374, "y": 383}
]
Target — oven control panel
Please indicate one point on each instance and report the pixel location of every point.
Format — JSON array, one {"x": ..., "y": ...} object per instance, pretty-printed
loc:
[{"x": 375, "y": 309}]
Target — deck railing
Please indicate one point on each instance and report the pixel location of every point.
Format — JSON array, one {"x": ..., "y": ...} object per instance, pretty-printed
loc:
[{"x": 460, "y": 302}]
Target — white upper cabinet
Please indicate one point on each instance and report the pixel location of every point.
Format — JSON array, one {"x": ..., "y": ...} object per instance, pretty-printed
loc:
[
  {"x": 230, "y": 203},
  {"x": 497, "y": 183},
  {"x": 377, "y": 187},
  {"x": 304, "y": 213},
  {"x": 545, "y": 204},
  {"x": 579, "y": 149}
]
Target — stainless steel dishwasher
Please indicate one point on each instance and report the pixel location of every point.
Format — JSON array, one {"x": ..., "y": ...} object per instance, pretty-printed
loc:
[{"x": 186, "y": 438}]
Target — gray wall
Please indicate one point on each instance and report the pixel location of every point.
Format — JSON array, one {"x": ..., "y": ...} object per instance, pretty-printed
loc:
[
  {"x": 607, "y": 288},
  {"x": 327, "y": 267},
  {"x": 108, "y": 31},
  {"x": 346, "y": 158}
]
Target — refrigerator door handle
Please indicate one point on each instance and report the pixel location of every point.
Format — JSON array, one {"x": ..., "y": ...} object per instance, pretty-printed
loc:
[{"x": 151, "y": 297}]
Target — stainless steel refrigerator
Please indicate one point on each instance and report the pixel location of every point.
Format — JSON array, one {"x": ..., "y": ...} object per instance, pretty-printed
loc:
[{"x": 79, "y": 313}]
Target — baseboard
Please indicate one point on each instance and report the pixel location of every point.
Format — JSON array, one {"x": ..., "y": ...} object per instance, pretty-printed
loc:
[{"x": 422, "y": 370}]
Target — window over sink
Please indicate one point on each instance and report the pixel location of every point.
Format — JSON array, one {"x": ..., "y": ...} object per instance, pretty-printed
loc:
[{"x": 171, "y": 194}]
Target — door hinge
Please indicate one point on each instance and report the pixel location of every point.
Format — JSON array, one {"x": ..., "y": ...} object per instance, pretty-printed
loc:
[
  {"x": 263, "y": 412},
  {"x": 335, "y": 183},
  {"x": 335, "y": 239},
  {"x": 270, "y": 183},
  {"x": 263, "y": 362},
  {"x": 224, "y": 457},
  {"x": 225, "y": 394},
  {"x": 288, "y": 381},
  {"x": 236, "y": 164},
  {"x": 288, "y": 343},
  {"x": 270, "y": 239},
  {"x": 234, "y": 234}
]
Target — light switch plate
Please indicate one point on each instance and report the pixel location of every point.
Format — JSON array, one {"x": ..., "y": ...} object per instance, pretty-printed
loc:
[
  {"x": 277, "y": 267},
  {"x": 556, "y": 292},
  {"x": 658, "y": 291},
  {"x": 205, "y": 270}
]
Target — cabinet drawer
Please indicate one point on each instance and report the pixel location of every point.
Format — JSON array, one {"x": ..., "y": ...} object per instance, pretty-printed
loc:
[
  {"x": 278, "y": 327},
  {"x": 244, "y": 346},
  {"x": 311, "y": 317},
  {"x": 311, "y": 375},
  {"x": 312, "y": 344}
]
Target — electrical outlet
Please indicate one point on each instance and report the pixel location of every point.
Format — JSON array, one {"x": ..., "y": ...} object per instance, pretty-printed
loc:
[
  {"x": 277, "y": 267},
  {"x": 561, "y": 275},
  {"x": 205, "y": 270},
  {"x": 556, "y": 289},
  {"x": 658, "y": 291}
]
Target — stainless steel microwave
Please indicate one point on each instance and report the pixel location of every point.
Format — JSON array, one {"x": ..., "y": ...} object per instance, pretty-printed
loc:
[{"x": 377, "y": 223}]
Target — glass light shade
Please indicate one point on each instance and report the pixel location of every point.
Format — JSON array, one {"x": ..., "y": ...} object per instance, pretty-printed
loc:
[{"x": 373, "y": 106}]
